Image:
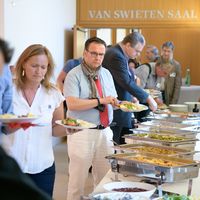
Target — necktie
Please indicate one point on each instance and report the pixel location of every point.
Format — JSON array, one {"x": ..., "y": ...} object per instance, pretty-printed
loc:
[{"x": 103, "y": 115}]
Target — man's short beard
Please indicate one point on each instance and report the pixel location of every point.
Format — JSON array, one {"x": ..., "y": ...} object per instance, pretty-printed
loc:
[{"x": 167, "y": 60}]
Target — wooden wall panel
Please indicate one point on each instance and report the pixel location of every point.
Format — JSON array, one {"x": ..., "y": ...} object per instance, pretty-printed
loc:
[
  {"x": 187, "y": 47},
  {"x": 79, "y": 41},
  {"x": 138, "y": 13},
  {"x": 180, "y": 23}
]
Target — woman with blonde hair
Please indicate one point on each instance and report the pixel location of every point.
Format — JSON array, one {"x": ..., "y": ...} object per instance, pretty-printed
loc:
[{"x": 35, "y": 94}]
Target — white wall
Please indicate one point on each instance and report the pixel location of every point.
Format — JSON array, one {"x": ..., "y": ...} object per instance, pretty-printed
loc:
[{"x": 39, "y": 21}]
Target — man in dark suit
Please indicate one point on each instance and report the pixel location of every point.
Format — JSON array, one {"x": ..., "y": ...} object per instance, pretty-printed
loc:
[{"x": 116, "y": 61}]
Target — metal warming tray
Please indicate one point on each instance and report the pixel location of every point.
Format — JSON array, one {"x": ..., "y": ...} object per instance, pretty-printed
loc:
[
  {"x": 167, "y": 169},
  {"x": 174, "y": 119},
  {"x": 187, "y": 143},
  {"x": 165, "y": 124},
  {"x": 178, "y": 132},
  {"x": 154, "y": 149}
]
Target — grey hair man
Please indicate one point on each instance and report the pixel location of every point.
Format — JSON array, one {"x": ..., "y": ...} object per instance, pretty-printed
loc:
[
  {"x": 152, "y": 53},
  {"x": 173, "y": 80},
  {"x": 116, "y": 61}
]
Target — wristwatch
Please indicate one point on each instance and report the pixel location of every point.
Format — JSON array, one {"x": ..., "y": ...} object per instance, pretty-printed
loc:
[{"x": 100, "y": 106}]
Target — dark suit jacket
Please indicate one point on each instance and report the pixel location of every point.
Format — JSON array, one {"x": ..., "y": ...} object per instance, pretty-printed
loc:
[
  {"x": 117, "y": 63},
  {"x": 15, "y": 185}
]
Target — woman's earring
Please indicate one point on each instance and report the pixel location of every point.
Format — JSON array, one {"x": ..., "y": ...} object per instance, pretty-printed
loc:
[{"x": 23, "y": 73}]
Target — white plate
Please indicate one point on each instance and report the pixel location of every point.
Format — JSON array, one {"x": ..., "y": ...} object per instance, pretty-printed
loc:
[
  {"x": 142, "y": 108},
  {"x": 117, "y": 196},
  {"x": 150, "y": 189},
  {"x": 18, "y": 119},
  {"x": 87, "y": 125}
]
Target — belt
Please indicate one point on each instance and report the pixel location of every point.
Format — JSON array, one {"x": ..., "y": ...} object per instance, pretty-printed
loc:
[{"x": 99, "y": 127}]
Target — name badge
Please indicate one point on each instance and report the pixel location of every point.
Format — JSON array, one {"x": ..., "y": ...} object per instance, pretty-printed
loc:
[
  {"x": 172, "y": 75},
  {"x": 158, "y": 85}
]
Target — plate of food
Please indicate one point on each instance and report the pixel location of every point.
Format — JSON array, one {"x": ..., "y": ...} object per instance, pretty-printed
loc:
[
  {"x": 117, "y": 196},
  {"x": 132, "y": 107},
  {"x": 75, "y": 123},
  {"x": 174, "y": 197},
  {"x": 131, "y": 188},
  {"x": 11, "y": 118}
]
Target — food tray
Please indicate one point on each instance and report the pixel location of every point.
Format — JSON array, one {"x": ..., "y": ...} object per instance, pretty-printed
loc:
[
  {"x": 154, "y": 149},
  {"x": 165, "y": 124},
  {"x": 169, "y": 113},
  {"x": 160, "y": 138},
  {"x": 188, "y": 144},
  {"x": 128, "y": 164},
  {"x": 178, "y": 132}
]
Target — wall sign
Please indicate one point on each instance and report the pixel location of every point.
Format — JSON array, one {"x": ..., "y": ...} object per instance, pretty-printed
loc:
[{"x": 139, "y": 13}]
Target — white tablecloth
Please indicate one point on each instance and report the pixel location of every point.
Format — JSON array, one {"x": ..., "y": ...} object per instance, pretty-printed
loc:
[
  {"x": 189, "y": 93},
  {"x": 180, "y": 187}
]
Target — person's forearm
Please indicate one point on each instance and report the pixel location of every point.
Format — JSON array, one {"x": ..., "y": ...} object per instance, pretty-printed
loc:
[
  {"x": 81, "y": 104},
  {"x": 58, "y": 131}
]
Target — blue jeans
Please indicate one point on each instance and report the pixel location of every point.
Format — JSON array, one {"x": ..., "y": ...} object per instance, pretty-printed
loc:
[{"x": 45, "y": 179}]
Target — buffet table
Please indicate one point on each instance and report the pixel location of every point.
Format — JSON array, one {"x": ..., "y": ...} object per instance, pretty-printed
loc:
[
  {"x": 189, "y": 93},
  {"x": 180, "y": 187}
]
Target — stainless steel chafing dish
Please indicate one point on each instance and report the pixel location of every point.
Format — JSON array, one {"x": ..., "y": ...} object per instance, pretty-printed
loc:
[
  {"x": 172, "y": 119},
  {"x": 179, "y": 132},
  {"x": 168, "y": 169},
  {"x": 165, "y": 124},
  {"x": 153, "y": 149},
  {"x": 187, "y": 143},
  {"x": 183, "y": 114},
  {"x": 158, "y": 150}
]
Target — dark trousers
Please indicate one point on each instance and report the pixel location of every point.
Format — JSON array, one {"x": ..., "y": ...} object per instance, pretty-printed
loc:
[
  {"x": 119, "y": 132},
  {"x": 141, "y": 116},
  {"x": 45, "y": 179}
]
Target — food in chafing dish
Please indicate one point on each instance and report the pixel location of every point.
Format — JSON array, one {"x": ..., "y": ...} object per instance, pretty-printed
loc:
[
  {"x": 155, "y": 150},
  {"x": 168, "y": 138},
  {"x": 132, "y": 107},
  {"x": 155, "y": 161}
]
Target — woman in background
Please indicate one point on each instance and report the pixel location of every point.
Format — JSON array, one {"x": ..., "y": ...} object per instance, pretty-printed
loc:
[{"x": 33, "y": 93}]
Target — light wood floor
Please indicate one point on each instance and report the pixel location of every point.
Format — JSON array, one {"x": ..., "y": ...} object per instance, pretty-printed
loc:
[{"x": 61, "y": 159}]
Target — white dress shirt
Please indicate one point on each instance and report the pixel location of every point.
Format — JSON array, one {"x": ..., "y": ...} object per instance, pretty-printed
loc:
[{"x": 32, "y": 148}]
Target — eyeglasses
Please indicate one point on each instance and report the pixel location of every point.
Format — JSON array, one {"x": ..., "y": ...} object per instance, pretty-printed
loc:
[
  {"x": 138, "y": 51},
  {"x": 95, "y": 54}
]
